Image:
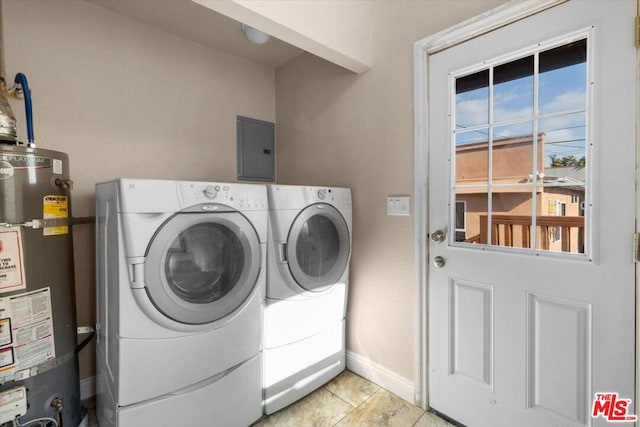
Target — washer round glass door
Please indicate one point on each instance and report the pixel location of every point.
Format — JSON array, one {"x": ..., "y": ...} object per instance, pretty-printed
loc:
[
  {"x": 318, "y": 247},
  {"x": 201, "y": 267}
]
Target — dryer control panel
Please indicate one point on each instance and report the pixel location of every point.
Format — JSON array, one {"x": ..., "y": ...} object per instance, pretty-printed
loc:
[
  {"x": 340, "y": 197},
  {"x": 291, "y": 197}
]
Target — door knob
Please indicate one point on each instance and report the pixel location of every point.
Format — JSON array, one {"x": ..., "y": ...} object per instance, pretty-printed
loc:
[
  {"x": 439, "y": 262},
  {"x": 438, "y": 236}
]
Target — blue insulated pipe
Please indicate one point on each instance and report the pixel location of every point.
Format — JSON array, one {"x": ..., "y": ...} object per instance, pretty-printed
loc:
[{"x": 21, "y": 79}]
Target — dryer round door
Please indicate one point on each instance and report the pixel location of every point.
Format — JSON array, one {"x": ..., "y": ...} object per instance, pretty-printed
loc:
[
  {"x": 318, "y": 247},
  {"x": 201, "y": 267}
]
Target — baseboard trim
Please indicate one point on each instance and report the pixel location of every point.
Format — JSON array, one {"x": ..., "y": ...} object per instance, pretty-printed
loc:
[
  {"x": 384, "y": 377},
  {"x": 87, "y": 387}
]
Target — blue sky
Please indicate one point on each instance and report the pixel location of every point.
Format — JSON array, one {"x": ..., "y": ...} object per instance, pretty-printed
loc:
[{"x": 561, "y": 98}]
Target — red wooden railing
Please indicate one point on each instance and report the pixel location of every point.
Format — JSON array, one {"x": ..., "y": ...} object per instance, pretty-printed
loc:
[{"x": 503, "y": 227}]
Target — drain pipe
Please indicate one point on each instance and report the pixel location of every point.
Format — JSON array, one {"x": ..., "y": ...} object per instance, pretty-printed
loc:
[{"x": 8, "y": 132}]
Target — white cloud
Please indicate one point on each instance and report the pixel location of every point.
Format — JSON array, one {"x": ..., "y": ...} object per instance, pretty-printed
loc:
[
  {"x": 503, "y": 114},
  {"x": 571, "y": 100},
  {"x": 472, "y": 112}
]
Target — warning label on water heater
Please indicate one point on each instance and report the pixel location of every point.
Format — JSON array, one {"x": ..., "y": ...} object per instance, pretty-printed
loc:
[
  {"x": 55, "y": 207},
  {"x": 26, "y": 331},
  {"x": 11, "y": 260}
]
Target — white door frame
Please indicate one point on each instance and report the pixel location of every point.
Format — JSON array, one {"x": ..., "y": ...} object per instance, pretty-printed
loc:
[{"x": 491, "y": 20}]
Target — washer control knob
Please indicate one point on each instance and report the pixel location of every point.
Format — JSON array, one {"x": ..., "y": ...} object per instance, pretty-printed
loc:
[
  {"x": 322, "y": 194},
  {"x": 210, "y": 192}
]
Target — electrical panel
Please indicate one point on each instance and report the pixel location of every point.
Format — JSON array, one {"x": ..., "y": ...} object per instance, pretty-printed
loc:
[{"x": 256, "y": 150}]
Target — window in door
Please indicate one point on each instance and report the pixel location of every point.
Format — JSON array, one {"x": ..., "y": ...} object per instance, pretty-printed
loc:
[{"x": 520, "y": 142}]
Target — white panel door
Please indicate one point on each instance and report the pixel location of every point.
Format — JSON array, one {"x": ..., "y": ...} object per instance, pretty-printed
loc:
[{"x": 532, "y": 146}]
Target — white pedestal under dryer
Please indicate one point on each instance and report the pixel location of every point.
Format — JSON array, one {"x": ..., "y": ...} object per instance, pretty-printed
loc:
[
  {"x": 309, "y": 249},
  {"x": 180, "y": 292}
]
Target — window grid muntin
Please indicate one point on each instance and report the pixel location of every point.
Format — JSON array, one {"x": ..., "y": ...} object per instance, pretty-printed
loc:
[{"x": 585, "y": 35}]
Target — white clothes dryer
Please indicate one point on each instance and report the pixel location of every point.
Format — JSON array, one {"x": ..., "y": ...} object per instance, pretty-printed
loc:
[
  {"x": 309, "y": 249},
  {"x": 180, "y": 291}
]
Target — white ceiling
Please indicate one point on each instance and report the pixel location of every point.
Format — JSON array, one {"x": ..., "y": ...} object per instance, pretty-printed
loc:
[{"x": 192, "y": 21}]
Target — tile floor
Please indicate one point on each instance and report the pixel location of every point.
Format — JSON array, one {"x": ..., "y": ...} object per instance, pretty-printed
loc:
[
  {"x": 346, "y": 401},
  {"x": 90, "y": 404},
  {"x": 351, "y": 401}
]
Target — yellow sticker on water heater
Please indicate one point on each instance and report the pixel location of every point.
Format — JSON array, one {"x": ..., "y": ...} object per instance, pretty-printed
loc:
[{"x": 55, "y": 207}]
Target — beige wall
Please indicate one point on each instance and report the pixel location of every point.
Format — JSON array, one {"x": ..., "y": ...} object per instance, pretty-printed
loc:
[
  {"x": 337, "y": 128},
  {"x": 125, "y": 99}
]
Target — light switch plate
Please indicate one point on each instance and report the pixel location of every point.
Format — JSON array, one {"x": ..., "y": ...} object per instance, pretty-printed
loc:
[{"x": 398, "y": 205}]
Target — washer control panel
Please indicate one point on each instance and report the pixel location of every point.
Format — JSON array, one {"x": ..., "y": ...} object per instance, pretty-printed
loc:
[
  {"x": 211, "y": 191},
  {"x": 237, "y": 196},
  {"x": 193, "y": 193}
]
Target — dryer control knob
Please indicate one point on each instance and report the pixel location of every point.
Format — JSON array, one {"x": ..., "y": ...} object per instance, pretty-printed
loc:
[
  {"x": 210, "y": 192},
  {"x": 322, "y": 194}
]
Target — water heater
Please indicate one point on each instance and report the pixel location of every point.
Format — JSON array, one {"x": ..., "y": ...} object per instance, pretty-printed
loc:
[{"x": 38, "y": 360}]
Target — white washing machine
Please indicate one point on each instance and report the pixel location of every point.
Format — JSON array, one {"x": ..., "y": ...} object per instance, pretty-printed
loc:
[
  {"x": 180, "y": 293},
  {"x": 309, "y": 249}
]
